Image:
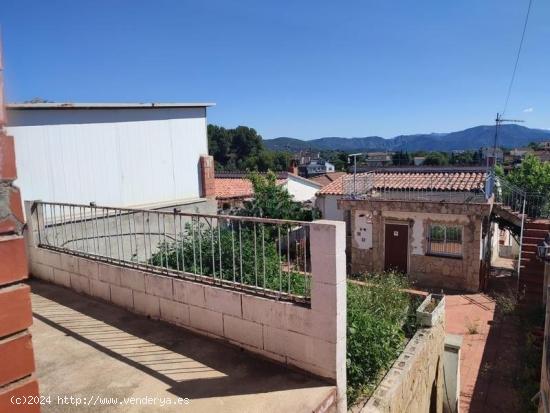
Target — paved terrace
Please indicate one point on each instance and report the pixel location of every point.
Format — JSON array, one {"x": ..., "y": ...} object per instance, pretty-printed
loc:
[{"x": 87, "y": 348}]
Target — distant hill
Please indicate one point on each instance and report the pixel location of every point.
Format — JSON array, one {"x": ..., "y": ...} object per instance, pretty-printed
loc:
[{"x": 510, "y": 136}]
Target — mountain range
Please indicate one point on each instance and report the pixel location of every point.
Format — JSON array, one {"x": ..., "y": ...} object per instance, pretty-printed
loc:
[{"x": 509, "y": 136}]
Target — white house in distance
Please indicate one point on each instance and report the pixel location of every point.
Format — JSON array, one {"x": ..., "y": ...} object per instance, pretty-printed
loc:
[{"x": 115, "y": 154}]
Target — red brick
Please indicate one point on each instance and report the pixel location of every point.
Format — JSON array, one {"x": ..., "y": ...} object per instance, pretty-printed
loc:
[
  {"x": 15, "y": 393},
  {"x": 8, "y": 225},
  {"x": 16, "y": 205},
  {"x": 16, "y": 358},
  {"x": 16, "y": 313},
  {"x": 13, "y": 259},
  {"x": 7, "y": 157}
]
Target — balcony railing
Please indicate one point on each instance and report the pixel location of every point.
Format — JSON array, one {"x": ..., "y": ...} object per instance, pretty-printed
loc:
[{"x": 263, "y": 256}]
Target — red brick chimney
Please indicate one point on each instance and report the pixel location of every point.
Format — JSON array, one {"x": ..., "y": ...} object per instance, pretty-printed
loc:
[
  {"x": 207, "y": 177},
  {"x": 17, "y": 367},
  {"x": 293, "y": 167}
]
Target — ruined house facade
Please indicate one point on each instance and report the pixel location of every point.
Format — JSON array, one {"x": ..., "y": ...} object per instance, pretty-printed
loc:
[{"x": 435, "y": 227}]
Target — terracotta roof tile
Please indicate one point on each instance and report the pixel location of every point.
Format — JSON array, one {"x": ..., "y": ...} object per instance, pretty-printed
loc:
[
  {"x": 438, "y": 181},
  {"x": 230, "y": 188}
]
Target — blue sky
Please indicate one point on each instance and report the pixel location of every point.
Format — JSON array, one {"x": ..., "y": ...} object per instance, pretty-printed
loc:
[{"x": 289, "y": 68}]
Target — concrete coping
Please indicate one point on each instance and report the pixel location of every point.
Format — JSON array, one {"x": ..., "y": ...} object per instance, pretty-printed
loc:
[{"x": 453, "y": 341}]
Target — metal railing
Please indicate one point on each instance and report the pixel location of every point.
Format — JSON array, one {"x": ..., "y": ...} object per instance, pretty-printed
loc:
[
  {"x": 537, "y": 205},
  {"x": 507, "y": 194},
  {"x": 434, "y": 187},
  {"x": 263, "y": 256}
]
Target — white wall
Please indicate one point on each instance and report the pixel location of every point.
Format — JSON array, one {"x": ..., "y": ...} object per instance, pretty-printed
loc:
[
  {"x": 328, "y": 205},
  {"x": 110, "y": 156},
  {"x": 301, "y": 189}
]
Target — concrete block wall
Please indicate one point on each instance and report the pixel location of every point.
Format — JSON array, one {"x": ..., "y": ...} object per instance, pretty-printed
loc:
[
  {"x": 415, "y": 383},
  {"x": 312, "y": 339},
  {"x": 16, "y": 350}
]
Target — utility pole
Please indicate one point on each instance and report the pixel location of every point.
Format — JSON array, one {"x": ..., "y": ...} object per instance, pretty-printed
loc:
[
  {"x": 498, "y": 121},
  {"x": 354, "y": 155}
]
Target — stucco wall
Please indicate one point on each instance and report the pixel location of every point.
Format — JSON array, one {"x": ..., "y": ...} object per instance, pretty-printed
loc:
[
  {"x": 368, "y": 250},
  {"x": 310, "y": 338},
  {"x": 328, "y": 205},
  {"x": 113, "y": 157},
  {"x": 301, "y": 189}
]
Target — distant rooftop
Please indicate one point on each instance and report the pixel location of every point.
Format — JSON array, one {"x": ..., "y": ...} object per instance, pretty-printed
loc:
[{"x": 108, "y": 105}]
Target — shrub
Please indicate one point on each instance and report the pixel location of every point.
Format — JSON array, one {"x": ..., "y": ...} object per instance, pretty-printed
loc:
[
  {"x": 379, "y": 319},
  {"x": 241, "y": 254}
]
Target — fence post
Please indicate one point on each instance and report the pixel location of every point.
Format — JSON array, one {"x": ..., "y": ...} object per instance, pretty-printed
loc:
[
  {"x": 328, "y": 294},
  {"x": 35, "y": 225}
]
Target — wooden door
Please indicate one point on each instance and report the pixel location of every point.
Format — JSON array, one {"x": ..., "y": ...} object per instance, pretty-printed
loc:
[{"x": 396, "y": 247}]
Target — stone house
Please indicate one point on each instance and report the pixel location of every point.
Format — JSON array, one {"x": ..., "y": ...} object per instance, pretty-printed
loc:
[{"x": 434, "y": 226}]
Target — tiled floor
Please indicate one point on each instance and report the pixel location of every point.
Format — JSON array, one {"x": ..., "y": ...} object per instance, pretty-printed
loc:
[{"x": 489, "y": 353}]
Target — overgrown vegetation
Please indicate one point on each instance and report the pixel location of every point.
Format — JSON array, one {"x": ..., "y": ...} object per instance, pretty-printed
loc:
[
  {"x": 274, "y": 201},
  {"x": 245, "y": 253},
  {"x": 380, "y": 318}
]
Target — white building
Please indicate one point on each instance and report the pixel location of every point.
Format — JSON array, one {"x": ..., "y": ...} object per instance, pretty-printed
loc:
[
  {"x": 115, "y": 154},
  {"x": 319, "y": 166}
]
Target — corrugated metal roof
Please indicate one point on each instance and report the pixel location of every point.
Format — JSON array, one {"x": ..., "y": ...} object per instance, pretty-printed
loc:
[{"x": 112, "y": 105}]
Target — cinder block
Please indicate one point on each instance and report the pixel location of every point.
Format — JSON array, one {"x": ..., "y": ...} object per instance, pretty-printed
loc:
[
  {"x": 80, "y": 284},
  {"x": 159, "y": 286},
  {"x": 243, "y": 331},
  {"x": 109, "y": 273},
  {"x": 300, "y": 347},
  {"x": 62, "y": 277},
  {"x": 15, "y": 305},
  {"x": 146, "y": 304},
  {"x": 223, "y": 301},
  {"x": 100, "y": 289},
  {"x": 329, "y": 268},
  {"x": 48, "y": 257},
  {"x": 328, "y": 298},
  {"x": 88, "y": 268},
  {"x": 206, "y": 320},
  {"x": 44, "y": 272},
  {"x": 133, "y": 279},
  {"x": 174, "y": 312},
  {"x": 69, "y": 263},
  {"x": 312, "y": 368},
  {"x": 327, "y": 237},
  {"x": 16, "y": 358},
  {"x": 122, "y": 297},
  {"x": 189, "y": 292},
  {"x": 13, "y": 257},
  {"x": 23, "y": 388},
  {"x": 263, "y": 310}
]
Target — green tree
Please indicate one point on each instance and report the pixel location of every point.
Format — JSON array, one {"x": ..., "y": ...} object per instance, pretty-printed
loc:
[
  {"x": 532, "y": 175},
  {"x": 401, "y": 158},
  {"x": 274, "y": 201},
  {"x": 436, "y": 158}
]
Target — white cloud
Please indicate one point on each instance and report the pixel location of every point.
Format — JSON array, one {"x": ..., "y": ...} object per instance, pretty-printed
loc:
[{"x": 528, "y": 110}]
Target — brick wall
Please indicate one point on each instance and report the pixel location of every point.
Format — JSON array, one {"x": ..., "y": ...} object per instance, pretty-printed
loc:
[
  {"x": 207, "y": 176},
  {"x": 312, "y": 339},
  {"x": 428, "y": 270},
  {"x": 16, "y": 350}
]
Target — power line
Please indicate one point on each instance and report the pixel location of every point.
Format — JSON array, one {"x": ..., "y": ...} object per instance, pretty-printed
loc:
[{"x": 517, "y": 57}]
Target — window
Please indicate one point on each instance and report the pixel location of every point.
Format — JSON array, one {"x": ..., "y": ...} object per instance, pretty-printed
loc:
[{"x": 445, "y": 240}]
